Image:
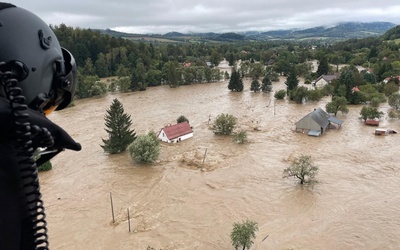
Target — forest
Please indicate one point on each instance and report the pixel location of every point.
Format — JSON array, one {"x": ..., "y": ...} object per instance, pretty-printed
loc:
[{"x": 140, "y": 64}]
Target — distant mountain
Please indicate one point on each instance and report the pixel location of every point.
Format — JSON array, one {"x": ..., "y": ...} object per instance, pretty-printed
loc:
[
  {"x": 392, "y": 34},
  {"x": 174, "y": 34},
  {"x": 337, "y": 32},
  {"x": 341, "y": 31}
]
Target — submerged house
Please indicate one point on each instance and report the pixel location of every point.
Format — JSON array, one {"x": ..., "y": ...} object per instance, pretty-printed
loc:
[
  {"x": 175, "y": 133},
  {"x": 316, "y": 122},
  {"x": 324, "y": 80}
]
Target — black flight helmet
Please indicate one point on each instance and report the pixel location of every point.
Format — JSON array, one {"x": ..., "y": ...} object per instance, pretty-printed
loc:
[{"x": 30, "y": 50}]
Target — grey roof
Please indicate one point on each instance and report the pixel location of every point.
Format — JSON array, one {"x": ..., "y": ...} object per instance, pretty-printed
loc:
[
  {"x": 318, "y": 120},
  {"x": 335, "y": 120},
  {"x": 320, "y": 117},
  {"x": 314, "y": 132},
  {"x": 328, "y": 78}
]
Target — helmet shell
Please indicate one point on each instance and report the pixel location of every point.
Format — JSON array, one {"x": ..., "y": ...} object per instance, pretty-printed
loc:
[{"x": 27, "y": 39}]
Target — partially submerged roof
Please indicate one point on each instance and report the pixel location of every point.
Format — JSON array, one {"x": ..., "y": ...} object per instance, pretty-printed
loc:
[
  {"x": 328, "y": 78},
  {"x": 335, "y": 120},
  {"x": 317, "y": 120},
  {"x": 314, "y": 132},
  {"x": 320, "y": 117},
  {"x": 176, "y": 130}
]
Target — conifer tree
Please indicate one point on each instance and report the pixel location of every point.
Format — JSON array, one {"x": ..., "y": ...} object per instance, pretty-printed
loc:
[
  {"x": 323, "y": 67},
  {"x": 292, "y": 81},
  {"x": 118, "y": 128},
  {"x": 235, "y": 83}
]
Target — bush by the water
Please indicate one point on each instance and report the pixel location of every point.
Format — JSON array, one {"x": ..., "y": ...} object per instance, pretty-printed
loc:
[{"x": 45, "y": 166}]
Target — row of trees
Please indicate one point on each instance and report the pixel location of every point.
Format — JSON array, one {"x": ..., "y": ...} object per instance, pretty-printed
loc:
[{"x": 150, "y": 64}]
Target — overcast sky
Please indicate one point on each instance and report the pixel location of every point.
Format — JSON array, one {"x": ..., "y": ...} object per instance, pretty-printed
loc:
[{"x": 162, "y": 16}]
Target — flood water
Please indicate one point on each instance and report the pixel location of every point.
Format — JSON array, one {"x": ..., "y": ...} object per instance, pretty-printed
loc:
[{"x": 181, "y": 203}]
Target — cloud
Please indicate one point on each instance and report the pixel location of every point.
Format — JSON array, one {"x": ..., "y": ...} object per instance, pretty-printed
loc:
[{"x": 161, "y": 16}]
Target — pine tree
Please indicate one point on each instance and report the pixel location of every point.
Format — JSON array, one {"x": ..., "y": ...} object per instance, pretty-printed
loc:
[
  {"x": 323, "y": 67},
  {"x": 235, "y": 83},
  {"x": 118, "y": 128},
  {"x": 292, "y": 82}
]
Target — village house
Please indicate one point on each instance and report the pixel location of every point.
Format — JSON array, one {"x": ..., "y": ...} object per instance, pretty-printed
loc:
[
  {"x": 316, "y": 122},
  {"x": 324, "y": 80},
  {"x": 175, "y": 133}
]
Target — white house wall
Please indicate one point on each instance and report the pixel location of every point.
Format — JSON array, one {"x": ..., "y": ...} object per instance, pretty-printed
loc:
[
  {"x": 184, "y": 137},
  {"x": 163, "y": 137},
  {"x": 321, "y": 83}
]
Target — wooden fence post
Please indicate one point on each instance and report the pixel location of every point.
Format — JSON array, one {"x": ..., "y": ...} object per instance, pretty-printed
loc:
[
  {"x": 112, "y": 207},
  {"x": 129, "y": 221},
  {"x": 204, "y": 158}
]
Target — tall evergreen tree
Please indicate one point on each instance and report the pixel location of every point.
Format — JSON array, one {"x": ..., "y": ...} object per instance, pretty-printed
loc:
[
  {"x": 231, "y": 59},
  {"x": 118, "y": 128},
  {"x": 323, "y": 67},
  {"x": 292, "y": 82},
  {"x": 347, "y": 80},
  {"x": 235, "y": 83}
]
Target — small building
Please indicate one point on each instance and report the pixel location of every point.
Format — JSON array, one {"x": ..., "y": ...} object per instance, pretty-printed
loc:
[
  {"x": 324, "y": 80},
  {"x": 316, "y": 122},
  {"x": 382, "y": 131},
  {"x": 175, "y": 133}
]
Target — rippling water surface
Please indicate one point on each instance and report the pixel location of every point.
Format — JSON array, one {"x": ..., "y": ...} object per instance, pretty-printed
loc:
[{"x": 180, "y": 203}]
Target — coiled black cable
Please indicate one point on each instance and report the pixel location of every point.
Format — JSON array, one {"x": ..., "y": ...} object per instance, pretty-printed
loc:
[{"x": 25, "y": 137}]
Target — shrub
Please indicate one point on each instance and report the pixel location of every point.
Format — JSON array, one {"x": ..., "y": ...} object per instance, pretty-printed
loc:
[
  {"x": 224, "y": 124},
  {"x": 145, "y": 149},
  {"x": 280, "y": 94},
  {"x": 182, "y": 118},
  {"x": 45, "y": 166},
  {"x": 240, "y": 137}
]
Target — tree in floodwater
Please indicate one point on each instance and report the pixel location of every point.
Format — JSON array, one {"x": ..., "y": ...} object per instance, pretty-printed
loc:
[
  {"x": 370, "y": 113},
  {"x": 242, "y": 234},
  {"x": 235, "y": 82},
  {"x": 292, "y": 81},
  {"x": 145, "y": 148},
  {"x": 224, "y": 124},
  {"x": 338, "y": 103},
  {"x": 181, "y": 119},
  {"x": 303, "y": 169},
  {"x": 118, "y": 128},
  {"x": 255, "y": 85},
  {"x": 266, "y": 84}
]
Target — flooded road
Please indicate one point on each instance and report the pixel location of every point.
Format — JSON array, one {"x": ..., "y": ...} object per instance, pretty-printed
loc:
[{"x": 180, "y": 203}]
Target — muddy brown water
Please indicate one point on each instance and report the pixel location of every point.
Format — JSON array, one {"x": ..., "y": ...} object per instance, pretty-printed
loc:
[{"x": 180, "y": 203}]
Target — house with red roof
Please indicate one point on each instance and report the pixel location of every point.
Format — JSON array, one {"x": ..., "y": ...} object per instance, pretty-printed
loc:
[{"x": 175, "y": 133}]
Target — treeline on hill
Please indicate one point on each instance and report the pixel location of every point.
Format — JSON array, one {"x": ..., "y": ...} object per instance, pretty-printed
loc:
[{"x": 141, "y": 64}]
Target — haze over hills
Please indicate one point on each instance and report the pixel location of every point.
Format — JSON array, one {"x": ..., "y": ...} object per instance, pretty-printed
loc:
[{"x": 342, "y": 31}]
